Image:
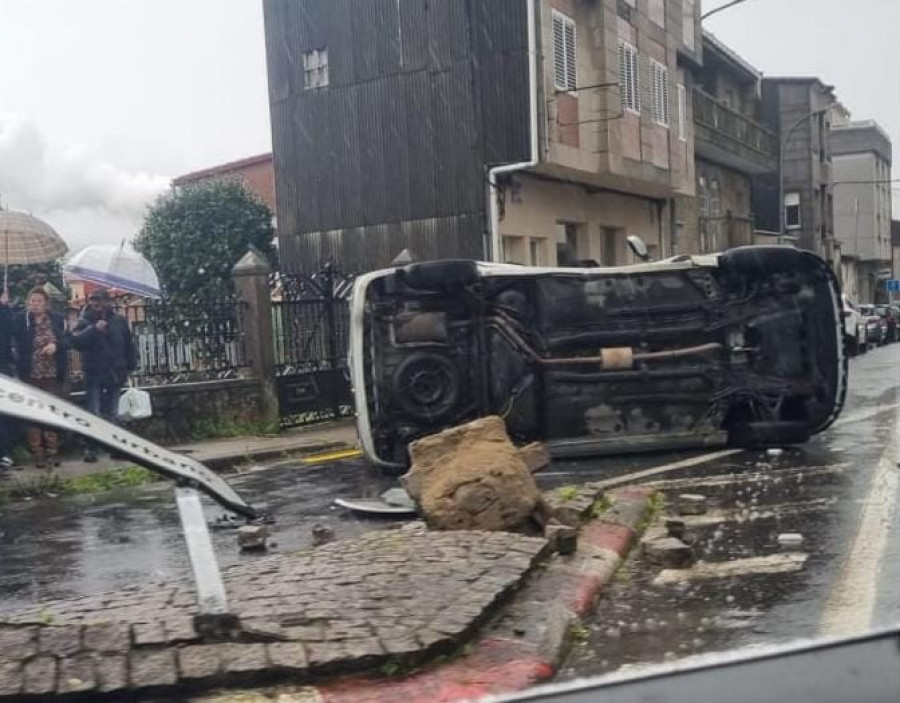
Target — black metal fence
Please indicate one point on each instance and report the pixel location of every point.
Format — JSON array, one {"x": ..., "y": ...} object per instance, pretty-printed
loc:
[
  {"x": 180, "y": 343},
  {"x": 311, "y": 322}
]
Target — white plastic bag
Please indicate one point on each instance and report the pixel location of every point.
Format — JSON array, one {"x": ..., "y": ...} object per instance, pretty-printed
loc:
[{"x": 134, "y": 404}]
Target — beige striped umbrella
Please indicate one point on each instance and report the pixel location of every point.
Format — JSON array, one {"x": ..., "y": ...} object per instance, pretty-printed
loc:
[{"x": 27, "y": 240}]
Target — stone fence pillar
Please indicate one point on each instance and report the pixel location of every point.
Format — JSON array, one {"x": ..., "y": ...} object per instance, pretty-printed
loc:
[{"x": 251, "y": 282}]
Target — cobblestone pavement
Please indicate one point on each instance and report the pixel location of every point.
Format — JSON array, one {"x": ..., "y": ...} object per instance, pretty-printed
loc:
[{"x": 396, "y": 596}]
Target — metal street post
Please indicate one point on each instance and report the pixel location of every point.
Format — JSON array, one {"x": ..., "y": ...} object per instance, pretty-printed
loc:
[{"x": 723, "y": 7}]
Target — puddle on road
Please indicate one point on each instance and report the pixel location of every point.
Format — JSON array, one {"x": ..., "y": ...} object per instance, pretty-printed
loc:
[{"x": 67, "y": 547}]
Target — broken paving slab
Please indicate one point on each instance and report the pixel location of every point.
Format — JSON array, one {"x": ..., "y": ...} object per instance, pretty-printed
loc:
[
  {"x": 752, "y": 566},
  {"x": 343, "y": 606}
]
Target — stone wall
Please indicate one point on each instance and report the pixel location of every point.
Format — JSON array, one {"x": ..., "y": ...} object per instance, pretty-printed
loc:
[{"x": 179, "y": 409}]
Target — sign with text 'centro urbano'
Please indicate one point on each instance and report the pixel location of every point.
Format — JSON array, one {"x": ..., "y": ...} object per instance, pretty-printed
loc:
[
  {"x": 892, "y": 285},
  {"x": 32, "y": 405}
]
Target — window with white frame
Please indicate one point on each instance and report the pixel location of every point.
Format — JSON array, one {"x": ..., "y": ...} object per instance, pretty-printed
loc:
[
  {"x": 682, "y": 112},
  {"x": 565, "y": 53},
  {"x": 315, "y": 69},
  {"x": 629, "y": 81},
  {"x": 792, "y": 210},
  {"x": 659, "y": 93}
]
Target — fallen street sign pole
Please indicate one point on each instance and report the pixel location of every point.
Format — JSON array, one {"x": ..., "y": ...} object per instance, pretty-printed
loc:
[
  {"x": 213, "y": 617},
  {"x": 33, "y": 406}
]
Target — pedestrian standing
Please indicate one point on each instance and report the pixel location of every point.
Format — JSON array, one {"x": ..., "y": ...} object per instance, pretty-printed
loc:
[
  {"x": 107, "y": 357},
  {"x": 39, "y": 337},
  {"x": 6, "y": 368}
]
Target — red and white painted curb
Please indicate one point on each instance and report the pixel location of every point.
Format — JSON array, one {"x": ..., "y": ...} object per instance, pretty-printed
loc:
[{"x": 503, "y": 663}]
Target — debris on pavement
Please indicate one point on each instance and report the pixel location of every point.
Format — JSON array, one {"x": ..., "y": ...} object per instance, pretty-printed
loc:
[
  {"x": 790, "y": 539},
  {"x": 471, "y": 477},
  {"x": 669, "y": 552},
  {"x": 535, "y": 456},
  {"x": 399, "y": 498},
  {"x": 322, "y": 534},
  {"x": 252, "y": 538},
  {"x": 752, "y": 566},
  {"x": 376, "y": 507},
  {"x": 675, "y": 528},
  {"x": 568, "y": 509},
  {"x": 563, "y": 539},
  {"x": 775, "y": 452},
  {"x": 691, "y": 504}
]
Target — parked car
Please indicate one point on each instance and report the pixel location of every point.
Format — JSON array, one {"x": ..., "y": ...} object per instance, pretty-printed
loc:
[
  {"x": 891, "y": 316},
  {"x": 855, "y": 341},
  {"x": 876, "y": 326},
  {"x": 742, "y": 348}
]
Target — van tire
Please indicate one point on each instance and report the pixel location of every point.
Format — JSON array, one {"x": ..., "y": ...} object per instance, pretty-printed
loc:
[{"x": 440, "y": 275}]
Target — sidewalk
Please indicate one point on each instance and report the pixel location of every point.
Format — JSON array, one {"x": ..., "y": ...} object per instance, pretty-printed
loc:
[
  {"x": 397, "y": 615},
  {"x": 217, "y": 454}
]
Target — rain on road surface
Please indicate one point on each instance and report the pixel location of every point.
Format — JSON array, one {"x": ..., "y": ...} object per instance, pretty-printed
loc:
[
  {"x": 839, "y": 492},
  {"x": 68, "y": 547}
]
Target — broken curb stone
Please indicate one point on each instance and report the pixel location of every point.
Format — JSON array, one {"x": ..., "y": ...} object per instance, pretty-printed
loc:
[
  {"x": 563, "y": 539},
  {"x": 668, "y": 552},
  {"x": 471, "y": 477}
]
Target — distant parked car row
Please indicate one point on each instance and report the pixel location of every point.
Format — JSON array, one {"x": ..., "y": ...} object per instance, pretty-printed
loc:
[{"x": 869, "y": 326}]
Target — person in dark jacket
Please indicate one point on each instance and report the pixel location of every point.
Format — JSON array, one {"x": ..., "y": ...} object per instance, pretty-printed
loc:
[
  {"x": 107, "y": 356},
  {"x": 6, "y": 368},
  {"x": 39, "y": 338}
]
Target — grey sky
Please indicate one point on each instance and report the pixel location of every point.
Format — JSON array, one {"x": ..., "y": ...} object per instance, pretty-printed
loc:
[{"x": 104, "y": 100}]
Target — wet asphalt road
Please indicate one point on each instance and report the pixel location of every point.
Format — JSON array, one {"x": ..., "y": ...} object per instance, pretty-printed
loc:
[
  {"x": 849, "y": 582},
  {"x": 67, "y": 547}
]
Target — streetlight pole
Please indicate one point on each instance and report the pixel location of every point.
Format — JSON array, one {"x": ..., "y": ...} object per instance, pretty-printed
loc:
[
  {"x": 723, "y": 7},
  {"x": 784, "y": 140}
]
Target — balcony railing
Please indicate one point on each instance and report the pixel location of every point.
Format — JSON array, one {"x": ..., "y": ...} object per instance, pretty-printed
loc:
[{"x": 717, "y": 116}]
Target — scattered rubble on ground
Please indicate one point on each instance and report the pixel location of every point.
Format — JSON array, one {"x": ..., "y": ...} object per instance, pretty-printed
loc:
[
  {"x": 562, "y": 538},
  {"x": 252, "y": 538},
  {"x": 790, "y": 540},
  {"x": 398, "y": 497},
  {"x": 661, "y": 549},
  {"x": 691, "y": 504},
  {"x": 322, "y": 534},
  {"x": 535, "y": 456}
]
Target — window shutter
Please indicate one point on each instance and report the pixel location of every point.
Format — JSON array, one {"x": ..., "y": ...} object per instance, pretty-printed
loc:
[
  {"x": 666, "y": 95},
  {"x": 629, "y": 77},
  {"x": 559, "y": 52},
  {"x": 635, "y": 80},
  {"x": 659, "y": 92},
  {"x": 571, "y": 56}
]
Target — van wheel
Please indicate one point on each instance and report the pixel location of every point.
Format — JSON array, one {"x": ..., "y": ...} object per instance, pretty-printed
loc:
[
  {"x": 440, "y": 275},
  {"x": 852, "y": 346}
]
